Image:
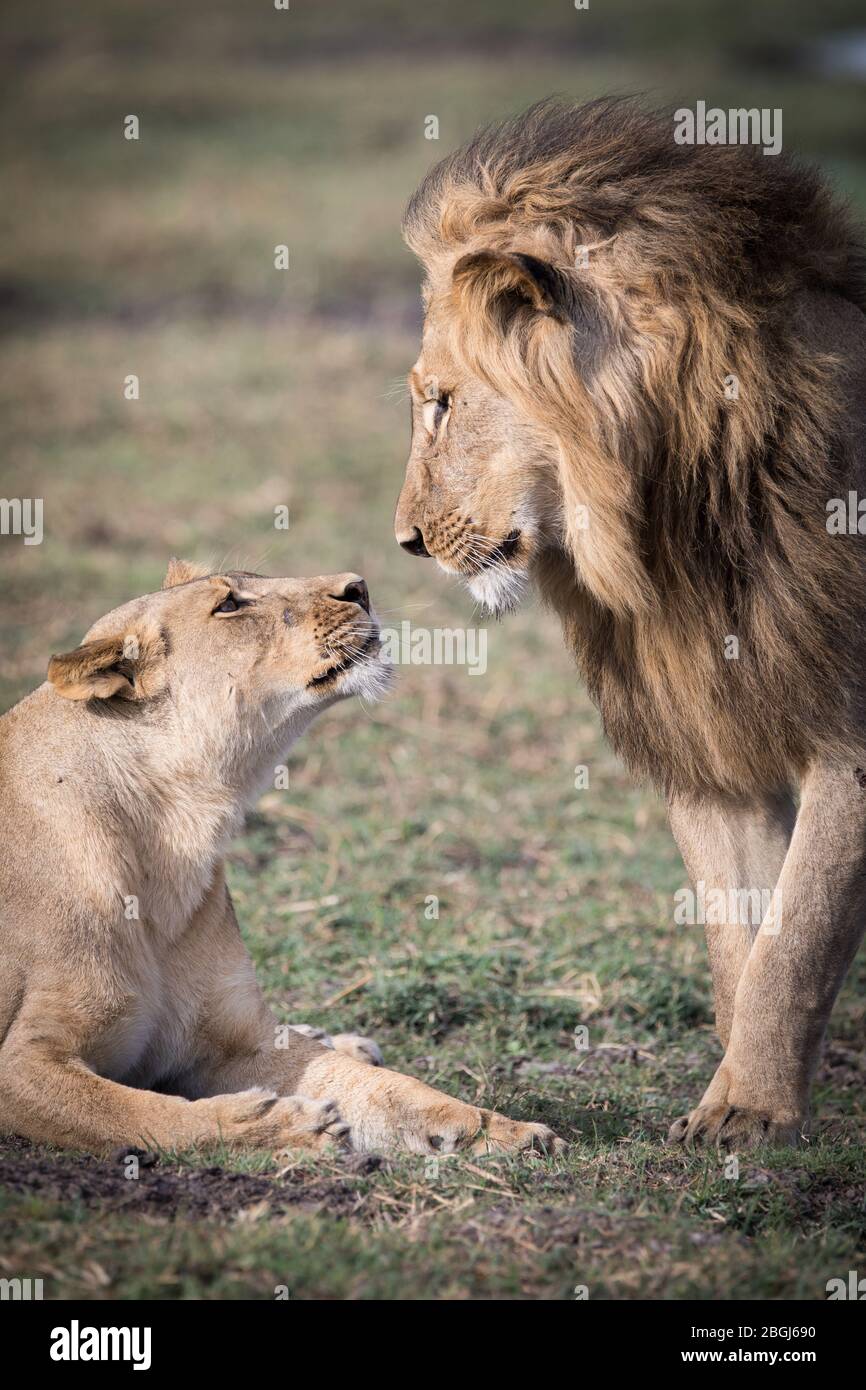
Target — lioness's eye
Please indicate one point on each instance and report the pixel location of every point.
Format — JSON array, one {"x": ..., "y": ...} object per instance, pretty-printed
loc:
[
  {"x": 434, "y": 411},
  {"x": 228, "y": 605}
]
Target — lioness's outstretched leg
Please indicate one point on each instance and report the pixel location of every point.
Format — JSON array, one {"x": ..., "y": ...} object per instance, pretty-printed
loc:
[
  {"x": 238, "y": 1044},
  {"x": 738, "y": 846},
  {"x": 48, "y": 1094},
  {"x": 384, "y": 1109},
  {"x": 793, "y": 972}
]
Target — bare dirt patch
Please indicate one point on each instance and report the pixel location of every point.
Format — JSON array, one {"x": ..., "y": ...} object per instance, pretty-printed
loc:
[{"x": 163, "y": 1189}]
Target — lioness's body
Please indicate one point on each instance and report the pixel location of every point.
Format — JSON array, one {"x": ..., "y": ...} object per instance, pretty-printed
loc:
[
  {"x": 642, "y": 386},
  {"x": 129, "y": 1008}
]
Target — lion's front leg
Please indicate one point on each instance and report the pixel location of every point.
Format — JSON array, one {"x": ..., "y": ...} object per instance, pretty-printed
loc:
[
  {"x": 792, "y": 973},
  {"x": 735, "y": 846}
]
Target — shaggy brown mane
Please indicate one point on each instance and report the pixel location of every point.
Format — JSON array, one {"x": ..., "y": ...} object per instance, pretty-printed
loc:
[{"x": 707, "y": 514}]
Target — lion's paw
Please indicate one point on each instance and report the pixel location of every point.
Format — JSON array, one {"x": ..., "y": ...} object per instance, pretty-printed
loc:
[{"x": 732, "y": 1127}]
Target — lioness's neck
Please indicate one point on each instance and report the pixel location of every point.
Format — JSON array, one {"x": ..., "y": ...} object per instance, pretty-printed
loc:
[{"x": 155, "y": 795}]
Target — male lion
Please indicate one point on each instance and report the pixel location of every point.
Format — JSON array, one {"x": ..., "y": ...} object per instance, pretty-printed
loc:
[
  {"x": 642, "y": 384},
  {"x": 129, "y": 1009}
]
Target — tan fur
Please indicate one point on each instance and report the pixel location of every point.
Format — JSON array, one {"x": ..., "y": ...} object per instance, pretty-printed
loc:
[
  {"x": 591, "y": 289},
  {"x": 129, "y": 1008}
]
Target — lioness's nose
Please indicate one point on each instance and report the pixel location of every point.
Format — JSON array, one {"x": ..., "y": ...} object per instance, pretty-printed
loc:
[
  {"x": 355, "y": 591},
  {"x": 413, "y": 541}
]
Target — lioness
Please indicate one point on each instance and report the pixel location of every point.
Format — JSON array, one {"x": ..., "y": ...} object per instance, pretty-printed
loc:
[
  {"x": 642, "y": 385},
  {"x": 129, "y": 1009}
]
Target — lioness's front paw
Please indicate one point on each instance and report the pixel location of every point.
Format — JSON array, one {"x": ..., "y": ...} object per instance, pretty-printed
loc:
[
  {"x": 501, "y": 1135},
  {"x": 314, "y": 1124},
  {"x": 732, "y": 1127},
  {"x": 265, "y": 1120},
  {"x": 487, "y": 1132}
]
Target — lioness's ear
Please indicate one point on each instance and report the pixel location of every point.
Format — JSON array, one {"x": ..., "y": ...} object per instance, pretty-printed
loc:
[
  {"x": 130, "y": 665},
  {"x": 181, "y": 572},
  {"x": 500, "y": 275}
]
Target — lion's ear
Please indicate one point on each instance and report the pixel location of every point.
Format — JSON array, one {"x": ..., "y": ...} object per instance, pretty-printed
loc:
[
  {"x": 518, "y": 277},
  {"x": 130, "y": 665},
  {"x": 510, "y": 294},
  {"x": 181, "y": 572}
]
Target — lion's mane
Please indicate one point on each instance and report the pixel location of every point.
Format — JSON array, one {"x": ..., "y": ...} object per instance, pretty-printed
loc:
[{"x": 702, "y": 418}]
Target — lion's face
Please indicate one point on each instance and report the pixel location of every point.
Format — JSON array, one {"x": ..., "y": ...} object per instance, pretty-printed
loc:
[
  {"x": 235, "y": 651},
  {"x": 480, "y": 493}
]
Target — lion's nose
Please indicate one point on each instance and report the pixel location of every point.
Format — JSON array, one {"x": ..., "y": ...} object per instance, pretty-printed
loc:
[
  {"x": 355, "y": 591},
  {"x": 414, "y": 543}
]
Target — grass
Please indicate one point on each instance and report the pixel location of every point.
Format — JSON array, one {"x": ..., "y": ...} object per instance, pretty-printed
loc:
[
  {"x": 555, "y": 905},
  {"x": 641, "y": 1227}
]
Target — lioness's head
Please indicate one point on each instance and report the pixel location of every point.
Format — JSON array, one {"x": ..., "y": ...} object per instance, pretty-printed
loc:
[{"x": 237, "y": 663}]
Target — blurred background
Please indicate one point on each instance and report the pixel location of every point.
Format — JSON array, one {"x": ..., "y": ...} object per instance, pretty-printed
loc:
[
  {"x": 303, "y": 127},
  {"x": 260, "y": 387}
]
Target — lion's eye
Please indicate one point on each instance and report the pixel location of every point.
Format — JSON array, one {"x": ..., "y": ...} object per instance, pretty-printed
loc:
[{"x": 228, "y": 605}]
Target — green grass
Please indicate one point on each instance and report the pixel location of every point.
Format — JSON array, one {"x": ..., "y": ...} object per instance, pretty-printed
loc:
[
  {"x": 260, "y": 388},
  {"x": 620, "y": 1220}
]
